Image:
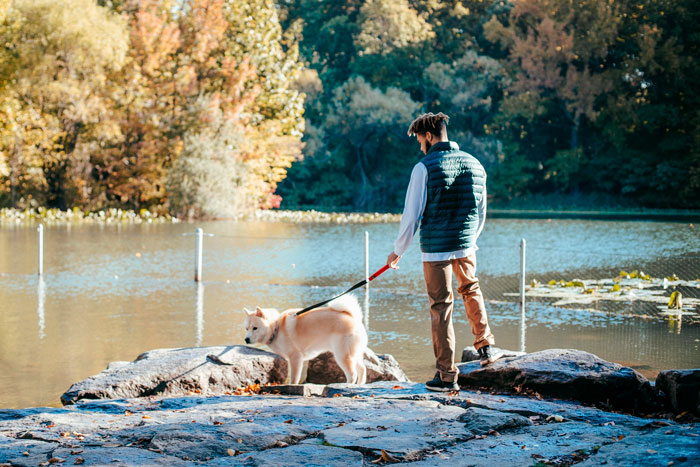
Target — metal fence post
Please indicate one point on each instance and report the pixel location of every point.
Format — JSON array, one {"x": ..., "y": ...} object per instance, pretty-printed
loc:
[
  {"x": 367, "y": 259},
  {"x": 40, "y": 229},
  {"x": 522, "y": 295},
  {"x": 366, "y": 313},
  {"x": 199, "y": 241}
]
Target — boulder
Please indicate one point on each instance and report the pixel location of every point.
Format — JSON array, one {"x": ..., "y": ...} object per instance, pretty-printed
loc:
[
  {"x": 212, "y": 371},
  {"x": 681, "y": 389},
  {"x": 324, "y": 370},
  {"x": 176, "y": 372},
  {"x": 469, "y": 354},
  {"x": 566, "y": 374}
]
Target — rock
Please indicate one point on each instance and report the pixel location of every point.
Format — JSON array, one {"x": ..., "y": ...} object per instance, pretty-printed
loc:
[
  {"x": 682, "y": 389},
  {"x": 482, "y": 421},
  {"x": 352, "y": 427},
  {"x": 567, "y": 374},
  {"x": 662, "y": 446},
  {"x": 469, "y": 354},
  {"x": 324, "y": 370},
  {"x": 308, "y": 455},
  {"x": 303, "y": 390},
  {"x": 172, "y": 372},
  {"x": 404, "y": 429},
  {"x": 214, "y": 371}
]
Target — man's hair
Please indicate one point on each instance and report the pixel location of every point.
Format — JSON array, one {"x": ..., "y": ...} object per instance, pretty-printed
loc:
[{"x": 435, "y": 124}]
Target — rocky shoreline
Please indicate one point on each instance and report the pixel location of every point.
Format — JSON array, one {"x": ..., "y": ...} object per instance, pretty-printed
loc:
[{"x": 218, "y": 406}]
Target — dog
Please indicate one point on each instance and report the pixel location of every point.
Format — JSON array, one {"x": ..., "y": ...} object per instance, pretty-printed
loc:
[{"x": 336, "y": 328}]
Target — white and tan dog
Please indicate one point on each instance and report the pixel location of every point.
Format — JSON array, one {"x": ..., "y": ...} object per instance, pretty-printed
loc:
[{"x": 336, "y": 328}]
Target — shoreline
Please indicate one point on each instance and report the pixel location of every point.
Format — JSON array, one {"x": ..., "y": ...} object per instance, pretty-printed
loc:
[{"x": 115, "y": 216}]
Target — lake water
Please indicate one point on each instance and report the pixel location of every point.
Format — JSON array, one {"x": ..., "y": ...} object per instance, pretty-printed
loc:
[{"x": 110, "y": 293}]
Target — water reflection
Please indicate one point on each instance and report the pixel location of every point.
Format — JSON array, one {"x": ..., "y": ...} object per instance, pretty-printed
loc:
[
  {"x": 674, "y": 323},
  {"x": 40, "y": 302},
  {"x": 366, "y": 313},
  {"x": 199, "y": 313},
  {"x": 523, "y": 325}
]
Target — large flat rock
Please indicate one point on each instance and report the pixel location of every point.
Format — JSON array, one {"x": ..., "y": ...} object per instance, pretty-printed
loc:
[
  {"x": 566, "y": 374},
  {"x": 352, "y": 426}
]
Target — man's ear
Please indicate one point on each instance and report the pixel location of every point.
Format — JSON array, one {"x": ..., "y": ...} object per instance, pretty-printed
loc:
[{"x": 259, "y": 312}]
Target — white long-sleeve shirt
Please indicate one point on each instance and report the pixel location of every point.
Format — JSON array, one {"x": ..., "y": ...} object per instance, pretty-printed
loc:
[{"x": 416, "y": 196}]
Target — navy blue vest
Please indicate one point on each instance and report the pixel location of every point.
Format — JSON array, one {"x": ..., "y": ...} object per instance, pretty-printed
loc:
[{"x": 456, "y": 184}]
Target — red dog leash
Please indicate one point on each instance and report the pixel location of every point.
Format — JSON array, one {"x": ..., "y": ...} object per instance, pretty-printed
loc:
[{"x": 358, "y": 285}]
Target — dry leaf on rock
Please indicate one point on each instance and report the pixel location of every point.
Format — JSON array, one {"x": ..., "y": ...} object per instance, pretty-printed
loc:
[{"x": 386, "y": 458}]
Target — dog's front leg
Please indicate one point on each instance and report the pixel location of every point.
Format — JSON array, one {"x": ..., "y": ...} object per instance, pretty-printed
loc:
[{"x": 296, "y": 365}]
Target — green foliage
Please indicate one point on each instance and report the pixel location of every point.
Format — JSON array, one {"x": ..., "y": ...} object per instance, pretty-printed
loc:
[{"x": 199, "y": 106}]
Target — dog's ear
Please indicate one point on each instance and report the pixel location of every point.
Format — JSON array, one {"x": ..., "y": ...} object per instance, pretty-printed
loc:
[
  {"x": 259, "y": 312},
  {"x": 247, "y": 311}
]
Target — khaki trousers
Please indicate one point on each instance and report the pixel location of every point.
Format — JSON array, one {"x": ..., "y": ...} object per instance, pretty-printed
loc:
[{"x": 438, "y": 281}]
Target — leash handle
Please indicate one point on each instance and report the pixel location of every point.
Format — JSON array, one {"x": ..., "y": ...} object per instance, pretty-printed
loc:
[{"x": 378, "y": 273}]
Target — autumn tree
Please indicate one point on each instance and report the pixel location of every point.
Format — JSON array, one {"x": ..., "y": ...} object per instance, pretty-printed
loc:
[{"x": 56, "y": 65}]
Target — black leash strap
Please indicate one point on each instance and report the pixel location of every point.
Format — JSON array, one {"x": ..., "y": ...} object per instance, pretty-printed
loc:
[{"x": 356, "y": 286}]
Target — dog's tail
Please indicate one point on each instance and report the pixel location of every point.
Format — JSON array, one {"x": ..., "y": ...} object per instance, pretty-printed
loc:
[{"x": 349, "y": 304}]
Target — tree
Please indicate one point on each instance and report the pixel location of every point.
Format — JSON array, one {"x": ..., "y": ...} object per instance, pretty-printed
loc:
[{"x": 56, "y": 66}]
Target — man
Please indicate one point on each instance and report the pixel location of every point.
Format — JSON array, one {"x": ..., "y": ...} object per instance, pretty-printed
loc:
[{"x": 447, "y": 198}]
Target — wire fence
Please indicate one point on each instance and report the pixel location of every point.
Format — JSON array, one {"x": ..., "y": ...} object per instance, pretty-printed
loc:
[{"x": 665, "y": 287}]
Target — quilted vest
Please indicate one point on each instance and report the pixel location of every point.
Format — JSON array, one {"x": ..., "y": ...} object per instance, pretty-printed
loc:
[{"x": 456, "y": 184}]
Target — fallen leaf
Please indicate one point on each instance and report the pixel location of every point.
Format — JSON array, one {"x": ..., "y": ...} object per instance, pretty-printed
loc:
[
  {"x": 651, "y": 451},
  {"x": 337, "y": 395},
  {"x": 385, "y": 457},
  {"x": 25, "y": 453},
  {"x": 79, "y": 461},
  {"x": 397, "y": 387},
  {"x": 128, "y": 413},
  {"x": 288, "y": 421},
  {"x": 233, "y": 452},
  {"x": 556, "y": 418},
  {"x": 56, "y": 460},
  {"x": 76, "y": 451},
  {"x": 621, "y": 437},
  {"x": 50, "y": 426},
  {"x": 216, "y": 422},
  {"x": 240, "y": 440}
]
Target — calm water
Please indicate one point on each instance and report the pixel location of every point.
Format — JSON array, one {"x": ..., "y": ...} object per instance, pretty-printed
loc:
[{"x": 112, "y": 292}]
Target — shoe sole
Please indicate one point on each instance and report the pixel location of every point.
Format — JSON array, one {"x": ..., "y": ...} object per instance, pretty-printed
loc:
[
  {"x": 491, "y": 360},
  {"x": 436, "y": 389}
]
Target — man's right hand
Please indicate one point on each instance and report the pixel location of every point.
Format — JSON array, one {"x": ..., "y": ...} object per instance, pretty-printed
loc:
[{"x": 392, "y": 260}]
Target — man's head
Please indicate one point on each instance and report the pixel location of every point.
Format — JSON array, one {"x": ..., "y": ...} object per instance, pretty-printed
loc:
[{"x": 429, "y": 129}]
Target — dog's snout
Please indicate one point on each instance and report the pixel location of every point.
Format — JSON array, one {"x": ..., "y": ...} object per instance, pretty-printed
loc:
[{"x": 247, "y": 340}]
